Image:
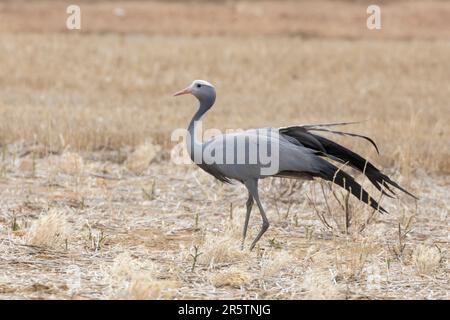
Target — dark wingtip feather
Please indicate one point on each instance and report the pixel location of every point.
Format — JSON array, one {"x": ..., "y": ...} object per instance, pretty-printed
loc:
[
  {"x": 395, "y": 184},
  {"x": 338, "y": 152},
  {"x": 332, "y": 173},
  {"x": 335, "y": 124},
  {"x": 350, "y": 135},
  {"x": 376, "y": 177}
]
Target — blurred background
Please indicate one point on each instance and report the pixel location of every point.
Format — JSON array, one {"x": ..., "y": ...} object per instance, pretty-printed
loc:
[{"x": 274, "y": 63}]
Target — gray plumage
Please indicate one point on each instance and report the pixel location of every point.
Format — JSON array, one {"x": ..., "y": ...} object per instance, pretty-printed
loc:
[{"x": 301, "y": 154}]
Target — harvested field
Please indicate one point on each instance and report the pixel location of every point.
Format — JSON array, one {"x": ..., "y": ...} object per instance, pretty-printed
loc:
[{"x": 94, "y": 208}]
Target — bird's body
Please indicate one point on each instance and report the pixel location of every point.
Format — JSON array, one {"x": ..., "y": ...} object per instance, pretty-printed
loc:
[
  {"x": 296, "y": 152},
  {"x": 291, "y": 156}
]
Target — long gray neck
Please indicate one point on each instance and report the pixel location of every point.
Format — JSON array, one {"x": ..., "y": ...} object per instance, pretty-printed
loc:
[{"x": 193, "y": 145}]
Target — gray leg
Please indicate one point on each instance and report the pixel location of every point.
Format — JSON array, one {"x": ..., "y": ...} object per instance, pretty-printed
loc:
[
  {"x": 247, "y": 217},
  {"x": 252, "y": 187}
]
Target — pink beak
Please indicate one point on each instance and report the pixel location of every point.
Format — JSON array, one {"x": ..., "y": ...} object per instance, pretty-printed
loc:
[{"x": 184, "y": 91}]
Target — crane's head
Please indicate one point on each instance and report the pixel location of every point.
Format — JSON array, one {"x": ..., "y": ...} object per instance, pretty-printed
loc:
[{"x": 202, "y": 90}]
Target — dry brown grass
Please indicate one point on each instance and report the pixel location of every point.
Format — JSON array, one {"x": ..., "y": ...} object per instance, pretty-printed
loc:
[
  {"x": 85, "y": 123},
  {"x": 50, "y": 230},
  {"x": 234, "y": 278},
  {"x": 426, "y": 259},
  {"x": 138, "y": 247},
  {"x": 130, "y": 278},
  {"x": 319, "y": 284},
  {"x": 140, "y": 159},
  {"x": 221, "y": 249},
  {"x": 66, "y": 93}
]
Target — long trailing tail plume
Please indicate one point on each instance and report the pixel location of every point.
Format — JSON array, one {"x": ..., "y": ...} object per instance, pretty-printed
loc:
[
  {"x": 331, "y": 173},
  {"x": 307, "y": 137}
]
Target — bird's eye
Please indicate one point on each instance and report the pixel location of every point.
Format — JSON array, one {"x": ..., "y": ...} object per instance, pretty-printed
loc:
[{"x": 199, "y": 85}]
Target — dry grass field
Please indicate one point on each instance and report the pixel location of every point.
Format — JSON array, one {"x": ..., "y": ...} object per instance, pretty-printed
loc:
[{"x": 93, "y": 207}]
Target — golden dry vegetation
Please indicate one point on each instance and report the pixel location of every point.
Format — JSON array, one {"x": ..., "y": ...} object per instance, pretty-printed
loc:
[{"x": 92, "y": 206}]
